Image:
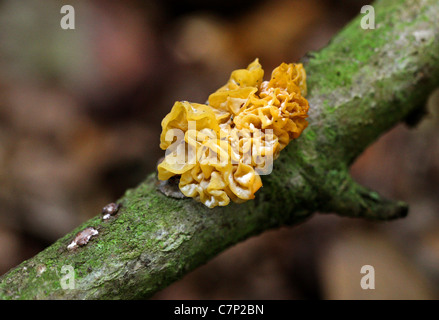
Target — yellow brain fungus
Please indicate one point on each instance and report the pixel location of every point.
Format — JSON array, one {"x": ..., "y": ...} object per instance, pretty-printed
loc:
[{"x": 221, "y": 148}]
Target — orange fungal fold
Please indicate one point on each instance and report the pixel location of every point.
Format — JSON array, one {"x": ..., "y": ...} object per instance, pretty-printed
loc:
[{"x": 221, "y": 148}]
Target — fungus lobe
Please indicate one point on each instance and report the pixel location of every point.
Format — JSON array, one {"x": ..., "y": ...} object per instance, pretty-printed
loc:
[{"x": 221, "y": 148}]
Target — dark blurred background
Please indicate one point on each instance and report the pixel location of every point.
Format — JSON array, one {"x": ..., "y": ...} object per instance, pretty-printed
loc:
[{"x": 80, "y": 114}]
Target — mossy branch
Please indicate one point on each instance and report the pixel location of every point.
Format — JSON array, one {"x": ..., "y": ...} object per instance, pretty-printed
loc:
[{"x": 362, "y": 84}]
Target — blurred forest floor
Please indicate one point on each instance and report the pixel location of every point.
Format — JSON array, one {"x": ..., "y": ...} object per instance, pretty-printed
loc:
[{"x": 80, "y": 114}]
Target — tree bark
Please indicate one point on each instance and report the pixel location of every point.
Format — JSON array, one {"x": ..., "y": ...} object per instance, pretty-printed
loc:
[{"x": 361, "y": 85}]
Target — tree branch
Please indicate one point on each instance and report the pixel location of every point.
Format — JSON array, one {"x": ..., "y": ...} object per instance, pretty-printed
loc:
[{"x": 362, "y": 84}]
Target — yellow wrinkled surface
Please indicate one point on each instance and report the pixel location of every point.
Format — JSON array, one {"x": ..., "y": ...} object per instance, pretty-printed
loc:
[{"x": 229, "y": 146}]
